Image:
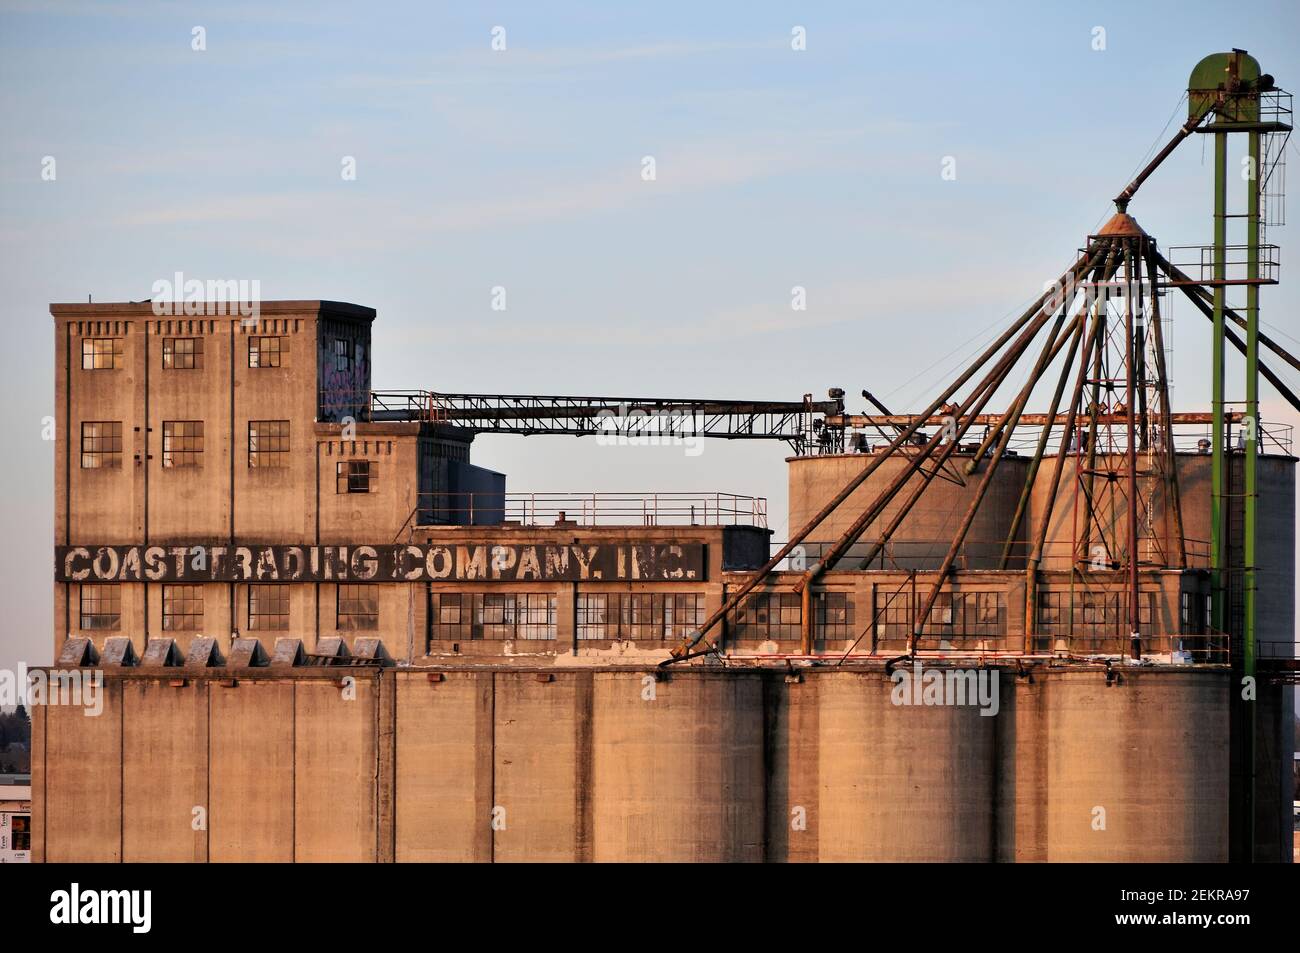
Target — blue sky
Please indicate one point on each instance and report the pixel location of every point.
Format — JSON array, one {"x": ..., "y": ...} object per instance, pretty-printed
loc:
[{"x": 522, "y": 168}]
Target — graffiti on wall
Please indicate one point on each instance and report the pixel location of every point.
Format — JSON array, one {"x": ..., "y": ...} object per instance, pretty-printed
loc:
[{"x": 344, "y": 372}]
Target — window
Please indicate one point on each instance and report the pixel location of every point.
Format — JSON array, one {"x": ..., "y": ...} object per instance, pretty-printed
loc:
[
  {"x": 101, "y": 444},
  {"x": 833, "y": 615},
  {"x": 101, "y": 606},
  {"x": 182, "y": 354},
  {"x": 985, "y": 614},
  {"x": 448, "y": 621},
  {"x": 268, "y": 443},
  {"x": 182, "y": 608},
  {"x": 268, "y": 608},
  {"x": 342, "y": 355},
  {"x": 263, "y": 352},
  {"x": 646, "y": 616},
  {"x": 953, "y": 615},
  {"x": 536, "y": 616},
  {"x": 1050, "y": 615},
  {"x": 353, "y": 476},
  {"x": 594, "y": 618},
  {"x": 770, "y": 616},
  {"x": 358, "y": 607},
  {"x": 896, "y": 616},
  {"x": 101, "y": 354},
  {"x": 493, "y": 615},
  {"x": 182, "y": 443},
  {"x": 1193, "y": 613}
]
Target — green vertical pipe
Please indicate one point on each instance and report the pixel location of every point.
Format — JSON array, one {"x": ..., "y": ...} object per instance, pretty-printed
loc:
[
  {"x": 1250, "y": 464},
  {"x": 1218, "y": 609}
]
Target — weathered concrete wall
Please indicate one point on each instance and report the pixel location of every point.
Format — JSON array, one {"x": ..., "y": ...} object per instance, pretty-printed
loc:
[
  {"x": 1146, "y": 756},
  {"x": 335, "y": 784},
  {"x": 164, "y": 770},
  {"x": 637, "y": 765},
  {"x": 142, "y": 501},
  {"x": 900, "y": 782},
  {"x": 77, "y": 809},
  {"x": 678, "y": 767},
  {"x": 251, "y": 809},
  {"x": 444, "y": 767}
]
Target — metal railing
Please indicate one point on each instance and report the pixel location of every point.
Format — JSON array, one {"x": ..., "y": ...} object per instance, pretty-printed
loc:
[
  {"x": 592, "y": 509},
  {"x": 1199, "y": 263},
  {"x": 1274, "y": 438},
  {"x": 904, "y": 555}
]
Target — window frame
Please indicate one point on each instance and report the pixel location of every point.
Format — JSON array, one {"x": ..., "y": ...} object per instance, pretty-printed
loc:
[
  {"x": 95, "y": 595},
  {"x": 190, "y": 454},
  {"x": 91, "y": 350},
  {"x": 180, "y": 600},
  {"x": 493, "y": 616},
  {"x": 361, "y": 613},
  {"x": 277, "y": 611},
  {"x": 110, "y": 457},
  {"x": 349, "y": 479},
  {"x": 272, "y": 457},
  {"x": 177, "y": 359},
  {"x": 260, "y": 357}
]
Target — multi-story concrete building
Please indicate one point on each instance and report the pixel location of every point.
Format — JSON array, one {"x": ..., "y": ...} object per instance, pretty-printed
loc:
[{"x": 230, "y": 515}]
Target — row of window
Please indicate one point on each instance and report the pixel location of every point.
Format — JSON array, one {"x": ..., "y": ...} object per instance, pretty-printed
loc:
[
  {"x": 357, "y": 607},
  {"x": 178, "y": 354},
  {"x": 1093, "y": 613},
  {"x": 638, "y": 616},
  {"x": 186, "y": 354},
  {"x": 630, "y": 616},
  {"x": 494, "y": 615},
  {"x": 778, "y": 616},
  {"x": 954, "y": 615},
  {"x": 182, "y": 446},
  {"x": 600, "y": 616},
  {"x": 623, "y": 616}
]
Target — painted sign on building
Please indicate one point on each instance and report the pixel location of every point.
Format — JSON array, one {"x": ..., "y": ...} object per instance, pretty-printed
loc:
[{"x": 414, "y": 562}]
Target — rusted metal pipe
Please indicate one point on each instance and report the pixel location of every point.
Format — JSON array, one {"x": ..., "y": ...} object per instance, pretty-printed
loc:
[
  {"x": 1172, "y": 490},
  {"x": 990, "y": 385},
  {"x": 1040, "y": 539},
  {"x": 1187, "y": 128},
  {"x": 985, "y": 391},
  {"x": 968, "y": 519},
  {"x": 1080, "y": 267},
  {"x": 1022, "y": 505},
  {"x": 1131, "y": 274},
  {"x": 1049, "y": 354}
]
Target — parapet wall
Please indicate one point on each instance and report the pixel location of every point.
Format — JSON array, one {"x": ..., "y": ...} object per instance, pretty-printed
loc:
[{"x": 489, "y": 763}]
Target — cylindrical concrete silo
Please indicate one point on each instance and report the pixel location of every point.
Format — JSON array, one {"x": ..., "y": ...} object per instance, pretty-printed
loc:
[
  {"x": 677, "y": 769},
  {"x": 857, "y": 777},
  {"x": 1137, "y": 770},
  {"x": 923, "y": 537}
]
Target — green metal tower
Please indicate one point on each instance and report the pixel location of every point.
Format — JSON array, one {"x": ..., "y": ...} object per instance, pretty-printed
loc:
[{"x": 1234, "y": 93}]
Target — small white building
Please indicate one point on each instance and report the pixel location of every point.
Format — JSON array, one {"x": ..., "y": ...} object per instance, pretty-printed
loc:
[{"x": 15, "y": 818}]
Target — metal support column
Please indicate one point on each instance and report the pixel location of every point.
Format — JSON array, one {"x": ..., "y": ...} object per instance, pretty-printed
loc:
[
  {"x": 1218, "y": 609},
  {"x": 1250, "y": 468}
]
